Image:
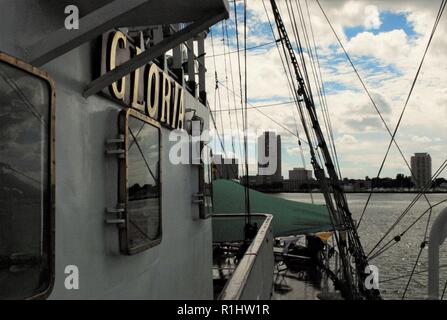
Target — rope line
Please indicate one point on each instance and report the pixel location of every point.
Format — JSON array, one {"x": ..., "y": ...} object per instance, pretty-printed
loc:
[{"x": 440, "y": 12}]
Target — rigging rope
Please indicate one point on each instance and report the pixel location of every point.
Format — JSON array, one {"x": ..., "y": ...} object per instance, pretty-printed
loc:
[
  {"x": 261, "y": 106},
  {"x": 406, "y": 275},
  {"x": 443, "y": 291},
  {"x": 398, "y": 237},
  {"x": 247, "y": 183},
  {"x": 234, "y": 101},
  {"x": 310, "y": 135},
  {"x": 318, "y": 82},
  {"x": 217, "y": 94},
  {"x": 371, "y": 99},
  {"x": 217, "y": 130},
  {"x": 228, "y": 93},
  {"x": 248, "y": 49},
  {"x": 302, "y": 57},
  {"x": 290, "y": 81},
  {"x": 413, "y": 202},
  {"x": 438, "y": 18},
  {"x": 252, "y": 107},
  {"x": 336, "y": 205},
  {"x": 234, "y": 170},
  {"x": 323, "y": 91},
  {"x": 238, "y": 60},
  {"x": 422, "y": 246}
]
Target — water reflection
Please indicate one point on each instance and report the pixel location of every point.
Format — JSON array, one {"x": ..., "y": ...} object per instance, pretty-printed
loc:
[{"x": 24, "y": 182}]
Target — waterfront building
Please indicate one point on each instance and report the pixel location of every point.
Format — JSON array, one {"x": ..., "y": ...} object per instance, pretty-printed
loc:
[{"x": 421, "y": 169}]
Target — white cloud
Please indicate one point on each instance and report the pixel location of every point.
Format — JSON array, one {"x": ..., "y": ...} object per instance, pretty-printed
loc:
[
  {"x": 423, "y": 139},
  {"x": 372, "y": 19},
  {"x": 385, "y": 46},
  {"x": 361, "y": 137},
  {"x": 348, "y": 139}
]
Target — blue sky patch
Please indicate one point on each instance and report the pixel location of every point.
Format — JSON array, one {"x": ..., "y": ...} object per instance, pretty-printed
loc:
[
  {"x": 390, "y": 21},
  {"x": 331, "y": 87}
]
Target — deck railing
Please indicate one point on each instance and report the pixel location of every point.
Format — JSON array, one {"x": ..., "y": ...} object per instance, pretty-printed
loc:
[
  {"x": 438, "y": 235},
  {"x": 253, "y": 276}
]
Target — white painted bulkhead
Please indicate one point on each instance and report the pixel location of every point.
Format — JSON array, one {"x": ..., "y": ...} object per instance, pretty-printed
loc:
[{"x": 86, "y": 183}]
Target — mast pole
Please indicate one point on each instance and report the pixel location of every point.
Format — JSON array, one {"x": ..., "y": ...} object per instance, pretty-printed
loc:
[{"x": 338, "y": 205}]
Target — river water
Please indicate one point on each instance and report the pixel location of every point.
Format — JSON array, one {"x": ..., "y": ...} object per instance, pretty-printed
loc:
[{"x": 396, "y": 263}]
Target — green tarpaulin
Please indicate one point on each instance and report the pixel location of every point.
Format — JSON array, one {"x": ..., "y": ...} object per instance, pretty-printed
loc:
[{"x": 289, "y": 217}]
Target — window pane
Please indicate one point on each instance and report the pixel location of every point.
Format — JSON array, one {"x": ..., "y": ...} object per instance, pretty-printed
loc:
[
  {"x": 207, "y": 183},
  {"x": 24, "y": 183},
  {"x": 143, "y": 208}
]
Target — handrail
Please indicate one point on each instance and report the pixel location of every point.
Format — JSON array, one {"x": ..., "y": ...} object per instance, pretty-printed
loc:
[
  {"x": 234, "y": 289},
  {"x": 438, "y": 234}
]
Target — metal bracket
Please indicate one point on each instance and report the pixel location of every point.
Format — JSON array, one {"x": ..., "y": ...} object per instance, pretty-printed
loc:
[
  {"x": 120, "y": 139},
  {"x": 115, "y": 221},
  {"x": 197, "y": 198},
  {"x": 118, "y": 212},
  {"x": 113, "y": 142}
]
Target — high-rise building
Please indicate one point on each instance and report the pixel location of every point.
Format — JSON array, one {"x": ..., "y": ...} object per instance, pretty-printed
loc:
[
  {"x": 225, "y": 168},
  {"x": 269, "y": 157},
  {"x": 421, "y": 168},
  {"x": 300, "y": 174}
]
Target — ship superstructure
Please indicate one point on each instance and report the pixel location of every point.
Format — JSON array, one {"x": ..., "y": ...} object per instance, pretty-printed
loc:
[{"x": 91, "y": 206}]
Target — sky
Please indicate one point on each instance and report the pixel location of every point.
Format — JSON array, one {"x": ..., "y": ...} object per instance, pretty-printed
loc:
[{"x": 386, "y": 41}]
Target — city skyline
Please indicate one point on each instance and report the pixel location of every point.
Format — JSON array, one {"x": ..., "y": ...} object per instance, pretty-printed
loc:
[
  {"x": 285, "y": 173},
  {"x": 385, "y": 40}
]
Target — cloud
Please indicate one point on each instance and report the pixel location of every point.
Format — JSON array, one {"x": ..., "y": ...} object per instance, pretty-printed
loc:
[
  {"x": 387, "y": 60},
  {"x": 385, "y": 46},
  {"x": 423, "y": 139},
  {"x": 347, "y": 139},
  {"x": 367, "y": 123},
  {"x": 372, "y": 20}
]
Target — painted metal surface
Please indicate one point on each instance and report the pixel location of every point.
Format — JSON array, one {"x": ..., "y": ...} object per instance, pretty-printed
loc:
[
  {"x": 253, "y": 277},
  {"x": 438, "y": 234},
  {"x": 129, "y": 66},
  {"x": 86, "y": 183}
]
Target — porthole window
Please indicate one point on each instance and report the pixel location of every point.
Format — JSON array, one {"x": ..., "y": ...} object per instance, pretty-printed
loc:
[
  {"x": 139, "y": 183},
  {"x": 26, "y": 181}
]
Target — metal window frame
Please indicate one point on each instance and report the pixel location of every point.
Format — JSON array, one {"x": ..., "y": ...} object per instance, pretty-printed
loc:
[
  {"x": 123, "y": 166},
  {"x": 202, "y": 207},
  {"x": 48, "y": 231}
]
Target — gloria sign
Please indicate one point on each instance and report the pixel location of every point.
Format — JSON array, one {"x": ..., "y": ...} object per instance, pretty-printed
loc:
[{"x": 148, "y": 89}]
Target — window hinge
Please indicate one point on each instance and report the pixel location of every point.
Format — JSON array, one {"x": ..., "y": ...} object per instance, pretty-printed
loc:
[
  {"x": 115, "y": 221},
  {"x": 120, "y": 139},
  {"x": 112, "y": 145},
  {"x": 197, "y": 198},
  {"x": 118, "y": 212}
]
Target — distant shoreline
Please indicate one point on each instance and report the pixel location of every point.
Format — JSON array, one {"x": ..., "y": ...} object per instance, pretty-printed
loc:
[{"x": 413, "y": 192}]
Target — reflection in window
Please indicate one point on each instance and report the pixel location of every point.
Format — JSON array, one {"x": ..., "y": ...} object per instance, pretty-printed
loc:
[
  {"x": 24, "y": 183},
  {"x": 143, "y": 186},
  {"x": 206, "y": 183}
]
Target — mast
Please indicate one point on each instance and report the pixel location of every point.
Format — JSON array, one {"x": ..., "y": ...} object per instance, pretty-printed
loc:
[{"x": 348, "y": 241}]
